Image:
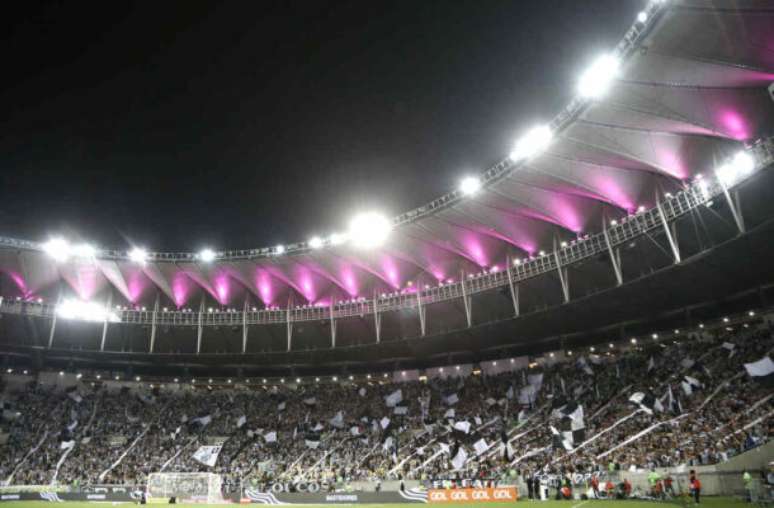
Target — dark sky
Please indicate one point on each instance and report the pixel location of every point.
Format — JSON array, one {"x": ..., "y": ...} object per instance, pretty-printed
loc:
[{"x": 243, "y": 124}]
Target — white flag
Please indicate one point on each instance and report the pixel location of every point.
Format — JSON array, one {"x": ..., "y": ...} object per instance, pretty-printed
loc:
[
  {"x": 762, "y": 367},
  {"x": 459, "y": 460},
  {"x": 241, "y": 421},
  {"x": 535, "y": 380},
  {"x": 354, "y": 430},
  {"x": 729, "y": 345},
  {"x": 462, "y": 427},
  {"x": 362, "y": 392},
  {"x": 445, "y": 448},
  {"x": 451, "y": 399},
  {"x": 651, "y": 364},
  {"x": 686, "y": 388},
  {"x": 66, "y": 445},
  {"x": 480, "y": 446},
  {"x": 74, "y": 395},
  {"x": 394, "y": 398},
  {"x": 401, "y": 410},
  {"x": 450, "y": 413},
  {"x": 695, "y": 382},
  {"x": 312, "y": 444},
  {"x": 207, "y": 455},
  {"x": 202, "y": 420},
  {"x": 384, "y": 422},
  {"x": 318, "y": 427},
  {"x": 311, "y": 401},
  {"x": 687, "y": 363},
  {"x": 509, "y": 393},
  {"x": 271, "y": 437},
  {"x": 387, "y": 445},
  {"x": 338, "y": 420},
  {"x": 477, "y": 420},
  {"x": 281, "y": 406}
]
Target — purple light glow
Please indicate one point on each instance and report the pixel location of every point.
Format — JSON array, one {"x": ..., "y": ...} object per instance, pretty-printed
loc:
[
  {"x": 734, "y": 124},
  {"x": 181, "y": 288},
  {"x": 136, "y": 285},
  {"x": 222, "y": 288},
  {"x": 19, "y": 281}
]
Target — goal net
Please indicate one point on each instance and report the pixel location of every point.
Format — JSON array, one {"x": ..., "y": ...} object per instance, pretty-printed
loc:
[{"x": 193, "y": 487}]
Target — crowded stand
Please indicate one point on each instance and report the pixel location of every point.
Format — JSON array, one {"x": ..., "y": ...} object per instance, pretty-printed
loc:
[{"x": 677, "y": 402}]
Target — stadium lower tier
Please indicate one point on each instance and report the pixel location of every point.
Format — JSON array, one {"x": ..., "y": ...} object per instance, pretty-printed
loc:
[{"x": 680, "y": 404}]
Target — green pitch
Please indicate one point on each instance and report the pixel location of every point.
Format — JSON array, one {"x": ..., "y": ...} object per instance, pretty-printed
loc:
[{"x": 709, "y": 502}]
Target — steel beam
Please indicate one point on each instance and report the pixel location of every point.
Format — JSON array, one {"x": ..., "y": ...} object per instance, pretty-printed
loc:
[
  {"x": 615, "y": 257},
  {"x": 671, "y": 238},
  {"x": 333, "y": 327},
  {"x": 244, "y": 327},
  {"x": 733, "y": 205},
  {"x": 377, "y": 320},
  {"x": 290, "y": 326},
  {"x": 513, "y": 287},
  {"x": 52, "y": 331},
  {"x": 421, "y": 310},
  {"x": 199, "y": 327},
  {"x": 562, "y": 274},
  {"x": 466, "y": 301},
  {"x": 153, "y": 323}
]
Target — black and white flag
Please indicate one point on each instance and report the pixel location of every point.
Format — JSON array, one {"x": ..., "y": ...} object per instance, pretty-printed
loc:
[
  {"x": 762, "y": 370},
  {"x": 394, "y": 398},
  {"x": 207, "y": 455}
]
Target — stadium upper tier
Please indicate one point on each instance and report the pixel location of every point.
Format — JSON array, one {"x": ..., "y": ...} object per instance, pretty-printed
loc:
[{"x": 656, "y": 131}]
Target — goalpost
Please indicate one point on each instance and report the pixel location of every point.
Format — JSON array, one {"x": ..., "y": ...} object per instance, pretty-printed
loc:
[{"x": 192, "y": 487}]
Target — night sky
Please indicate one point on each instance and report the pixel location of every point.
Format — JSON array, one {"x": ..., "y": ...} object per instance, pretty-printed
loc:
[{"x": 175, "y": 125}]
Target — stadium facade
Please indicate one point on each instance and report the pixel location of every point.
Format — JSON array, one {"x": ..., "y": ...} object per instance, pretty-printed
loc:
[{"x": 644, "y": 204}]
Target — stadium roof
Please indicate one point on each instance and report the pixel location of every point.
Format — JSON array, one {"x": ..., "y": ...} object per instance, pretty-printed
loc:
[{"x": 688, "y": 91}]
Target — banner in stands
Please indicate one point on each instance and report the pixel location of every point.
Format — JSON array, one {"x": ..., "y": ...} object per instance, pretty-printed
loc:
[
  {"x": 408, "y": 496},
  {"x": 485, "y": 495},
  {"x": 114, "y": 495}
]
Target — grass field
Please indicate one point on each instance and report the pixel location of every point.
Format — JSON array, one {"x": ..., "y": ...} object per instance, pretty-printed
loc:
[{"x": 709, "y": 502}]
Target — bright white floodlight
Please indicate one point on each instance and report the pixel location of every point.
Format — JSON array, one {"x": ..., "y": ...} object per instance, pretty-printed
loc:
[
  {"x": 470, "y": 185},
  {"x": 84, "y": 250},
  {"x": 207, "y": 255},
  {"x": 58, "y": 249},
  {"x": 744, "y": 163},
  {"x": 138, "y": 255},
  {"x": 596, "y": 81},
  {"x": 316, "y": 242},
  {"x": 739, "y": 167},
  {"x": 368, "y": 230},
  {"x": 279, "y": 249},
  {"x": 338, "y": 238},
  {"x": 532, "y": 143},
  {"x": 85, "y": 311}
]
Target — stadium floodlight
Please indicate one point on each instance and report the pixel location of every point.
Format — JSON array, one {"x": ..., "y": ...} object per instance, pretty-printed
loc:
[
  {"x": 138, "y": 255},
  {"x": 532, "y": 143},
  {"x": 279, "y": 249},
  {"x": 338, "y": 238},
  {"x": 738, "y": 168},
  {"x": 207, "y": 255},
  {"x": 596, "y": 80},
  {"x": 370, "y": 229},
  {"x": 470, "y": 185},
  {"x": 85, "y": 311},
  {"x": 316, "y": 242},
  {"x": 84, "y": 251},
  {"x": 58, "y": 249},
  {"x": 642, "y": 17}
]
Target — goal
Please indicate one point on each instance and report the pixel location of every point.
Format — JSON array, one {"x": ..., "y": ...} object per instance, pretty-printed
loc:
[{"x": 191, "y": 487}]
